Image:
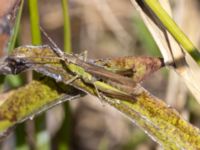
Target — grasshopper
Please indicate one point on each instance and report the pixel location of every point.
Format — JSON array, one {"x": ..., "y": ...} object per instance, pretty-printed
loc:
[
  {"x": 105, "y": 78},
  {"x": 127, "y": 84},
  {"x": 91, "y": 74}
]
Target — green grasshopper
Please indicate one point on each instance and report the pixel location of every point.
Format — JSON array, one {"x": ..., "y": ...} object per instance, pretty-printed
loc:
[
  {"x": 110, "y": 77},
  {"x": 120, "y": 73},
  {"x": 92, "y": 74}
]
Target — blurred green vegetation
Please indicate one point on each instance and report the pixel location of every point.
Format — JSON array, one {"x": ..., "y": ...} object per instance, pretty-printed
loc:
[{"x": 145, "y": 37}]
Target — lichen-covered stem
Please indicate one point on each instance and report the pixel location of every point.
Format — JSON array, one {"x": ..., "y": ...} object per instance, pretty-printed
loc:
[{"x": 28, "y": 101}]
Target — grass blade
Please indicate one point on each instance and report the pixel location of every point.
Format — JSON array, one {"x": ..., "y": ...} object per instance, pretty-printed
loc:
[
  {"x": 172, "y": 27},
  {"x": 67, "y": 29},
  {"x": 34, "y": 19}
]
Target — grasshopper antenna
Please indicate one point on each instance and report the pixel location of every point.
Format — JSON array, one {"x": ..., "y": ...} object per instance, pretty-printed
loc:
[{"x": 54, "y": 46}]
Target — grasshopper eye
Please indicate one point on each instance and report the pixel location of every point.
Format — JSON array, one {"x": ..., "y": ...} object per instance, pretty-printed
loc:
[{"x": 16, "y": 65}]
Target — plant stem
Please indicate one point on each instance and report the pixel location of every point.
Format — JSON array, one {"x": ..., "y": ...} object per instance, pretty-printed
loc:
[
  {"x": 67, "y": 32},
  {"x": 16, "y": 28},
  {"x": 65, "y": 131},
  {"x": 172, "y": 27},
  {"x": 34, "y": 20}
]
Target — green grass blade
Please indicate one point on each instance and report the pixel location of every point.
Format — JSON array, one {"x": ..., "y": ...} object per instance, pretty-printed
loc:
[
  {"x": 13, "y": 38},
  {"x": 34, "y": 20},
  {"x": 37, "y": 40},
  {"x": 67, "y": 31},
  {"x": 172, "y": 27},
  {"x": 64, "y": 133},
  {"x": 15, "y": 81}
]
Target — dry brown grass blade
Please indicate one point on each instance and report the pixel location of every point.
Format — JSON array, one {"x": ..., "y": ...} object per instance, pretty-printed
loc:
[{"x": 186, "y": 67}]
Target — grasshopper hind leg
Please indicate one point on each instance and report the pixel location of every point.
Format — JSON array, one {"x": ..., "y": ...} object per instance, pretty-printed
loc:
[
  {"x": 71, "y": 80},
  {"x": 99, "y": 95}
]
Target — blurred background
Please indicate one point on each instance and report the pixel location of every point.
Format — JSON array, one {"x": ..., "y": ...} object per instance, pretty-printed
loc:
[{"x": 105, "y": 28}]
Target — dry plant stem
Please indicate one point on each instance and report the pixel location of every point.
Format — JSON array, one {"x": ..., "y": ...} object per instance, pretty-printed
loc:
[
  {"x": 175, "y": 31},
  {"x": 30, "y": 130},
  {"x": 186, "y": 67},
  {"x": 176, "y": 92},
  {"x": 156, "y": 32},
  {"x": 181, "y": 16},
  {"x": 160, "y": 121}
]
